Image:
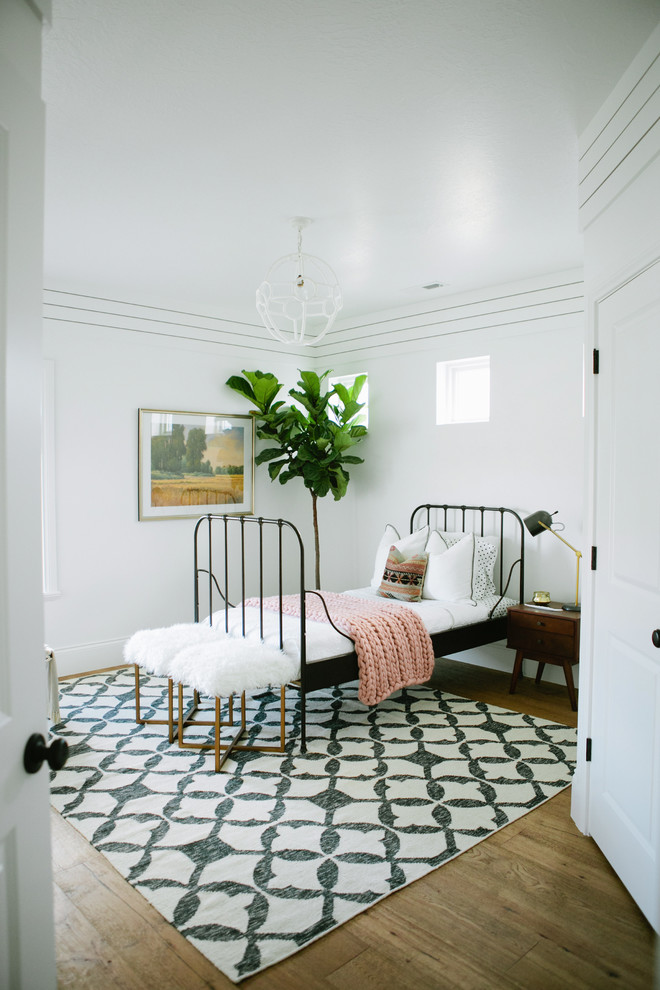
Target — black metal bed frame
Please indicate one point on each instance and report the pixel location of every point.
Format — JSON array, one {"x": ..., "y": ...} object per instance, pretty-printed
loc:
[{"x": 222, "y": 532}]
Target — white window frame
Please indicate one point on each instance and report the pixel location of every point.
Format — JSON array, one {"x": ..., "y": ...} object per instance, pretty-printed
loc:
[{"x": 452, "y": 380}]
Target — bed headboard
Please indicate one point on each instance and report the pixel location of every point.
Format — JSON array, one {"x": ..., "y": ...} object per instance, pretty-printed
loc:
[
  {"x": 236, "y": 557},
  {"x": 483, "y": 520}
]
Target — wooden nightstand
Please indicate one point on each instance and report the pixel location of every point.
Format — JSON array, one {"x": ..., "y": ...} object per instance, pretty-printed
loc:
[{"x": 547, "y": 636}]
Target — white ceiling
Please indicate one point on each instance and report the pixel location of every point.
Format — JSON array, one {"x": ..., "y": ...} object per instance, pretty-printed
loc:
[{"x": 428, "y": 140}]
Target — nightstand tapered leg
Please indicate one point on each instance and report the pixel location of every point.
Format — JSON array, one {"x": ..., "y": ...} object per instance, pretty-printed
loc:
[
  {"x": 539, "y": 672},
  {"x": 517, "y": 667},
  {"x": 568, "y": 674}
]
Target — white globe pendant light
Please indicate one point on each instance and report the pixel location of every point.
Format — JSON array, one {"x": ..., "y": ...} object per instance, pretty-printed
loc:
[{"x": 300, "y": 296}]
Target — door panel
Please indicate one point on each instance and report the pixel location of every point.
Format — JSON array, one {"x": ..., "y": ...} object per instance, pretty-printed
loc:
[
  {"x": 624, "y": 811},
  {"x": 632, "y": 703},
  {"x": 634, "y": 416},
  {"x": 27, "y": 955}
]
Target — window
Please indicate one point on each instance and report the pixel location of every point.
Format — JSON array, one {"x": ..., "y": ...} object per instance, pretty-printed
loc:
[
  {"x": 463, "y": 391},
  {"x": 348, "y": 381}
]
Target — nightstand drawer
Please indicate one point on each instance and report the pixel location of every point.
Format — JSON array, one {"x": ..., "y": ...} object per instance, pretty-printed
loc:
[
  {"x": 542, "y": 641},
  {"x": 547, "y": 623}
]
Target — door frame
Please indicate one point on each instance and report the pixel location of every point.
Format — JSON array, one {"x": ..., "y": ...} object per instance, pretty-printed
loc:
[
  {"x": 580, "y": 791},
  {"x": 27, "y": 932}
]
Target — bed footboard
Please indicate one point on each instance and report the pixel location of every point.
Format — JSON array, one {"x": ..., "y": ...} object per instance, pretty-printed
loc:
[{"x": 241, "y": 557}]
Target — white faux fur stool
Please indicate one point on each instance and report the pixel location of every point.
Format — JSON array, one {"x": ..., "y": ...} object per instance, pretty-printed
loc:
[
  {"x": 153, "y": 650},
  {"x": 222, "y": 668}
]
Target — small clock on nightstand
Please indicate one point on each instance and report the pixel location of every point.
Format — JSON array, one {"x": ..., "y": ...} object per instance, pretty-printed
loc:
[{"x": 545, "y": 634}]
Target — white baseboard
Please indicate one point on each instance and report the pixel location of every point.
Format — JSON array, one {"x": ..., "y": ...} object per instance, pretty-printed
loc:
[{"x": 89, "y": 656}]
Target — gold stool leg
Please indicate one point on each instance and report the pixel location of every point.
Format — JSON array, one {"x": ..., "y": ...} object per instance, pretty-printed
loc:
[
  {"x": 232, "y": 744},
  {"x": 138, "y": 708},
  {"x": 217, "y": 735},
  {"x": 282, "y": 744},
  {"x": 282, "y": 716},
  {"x": 180, "y": 715},
  {"x": 137, "y": 693}
]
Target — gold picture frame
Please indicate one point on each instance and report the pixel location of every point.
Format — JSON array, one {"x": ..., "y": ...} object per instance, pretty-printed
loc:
[{"x": 192, "y": 463}]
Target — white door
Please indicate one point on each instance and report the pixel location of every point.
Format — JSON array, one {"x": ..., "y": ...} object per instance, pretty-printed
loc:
[
  {"x": 27, "y": 956},
  {"x": 624, "y": 812}
]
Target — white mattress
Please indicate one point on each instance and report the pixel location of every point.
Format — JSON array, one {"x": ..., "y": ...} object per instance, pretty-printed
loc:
[{"x": 324, "y": 642}]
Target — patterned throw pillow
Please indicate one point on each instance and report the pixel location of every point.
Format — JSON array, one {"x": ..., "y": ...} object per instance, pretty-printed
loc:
[
  {"x": 408, "y": 545},
  {"x": 403, "y": 577}
]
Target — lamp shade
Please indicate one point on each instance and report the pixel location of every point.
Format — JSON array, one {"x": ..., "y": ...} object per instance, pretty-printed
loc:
[{"x": 538, "y": 522}]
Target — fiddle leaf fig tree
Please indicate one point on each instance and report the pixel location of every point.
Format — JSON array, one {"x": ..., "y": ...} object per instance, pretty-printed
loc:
[{"x": 310, "y": 439}]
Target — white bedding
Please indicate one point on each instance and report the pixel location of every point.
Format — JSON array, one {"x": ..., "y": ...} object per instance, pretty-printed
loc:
[{"x": 324, "y": 642}]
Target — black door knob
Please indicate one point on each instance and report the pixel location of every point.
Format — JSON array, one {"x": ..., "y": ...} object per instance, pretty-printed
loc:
[
  {"x": 36, "y": 751},
  {"x": 655, "y": 637}
]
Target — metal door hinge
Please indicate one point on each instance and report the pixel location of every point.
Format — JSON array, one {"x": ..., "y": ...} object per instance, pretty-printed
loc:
[
  {"x": 594, "y": 558},
  {"x": 588, "y": 750},
  {"x": 596, "y": 361}
]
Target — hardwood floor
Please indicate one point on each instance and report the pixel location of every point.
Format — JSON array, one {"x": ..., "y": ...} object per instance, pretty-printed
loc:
[{"x": 534, "y": 907}]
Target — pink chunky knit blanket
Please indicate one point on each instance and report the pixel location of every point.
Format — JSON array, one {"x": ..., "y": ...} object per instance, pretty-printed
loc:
[{"x": 393, "y": 648}]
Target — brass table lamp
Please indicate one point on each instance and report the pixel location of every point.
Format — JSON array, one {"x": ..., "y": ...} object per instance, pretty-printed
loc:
[{"x": 542, "y": 520}]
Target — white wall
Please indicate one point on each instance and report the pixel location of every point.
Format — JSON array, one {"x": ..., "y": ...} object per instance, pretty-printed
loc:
[
  {"x": 529, "y": 456},
  {"x": 117, "y": 575}
]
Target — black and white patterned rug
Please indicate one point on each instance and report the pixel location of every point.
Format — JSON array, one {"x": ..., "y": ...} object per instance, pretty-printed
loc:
[{"x": 253, "y": 864}]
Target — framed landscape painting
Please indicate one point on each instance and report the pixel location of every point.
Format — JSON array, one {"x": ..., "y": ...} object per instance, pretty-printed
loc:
[{"x": 192, "y": 463}]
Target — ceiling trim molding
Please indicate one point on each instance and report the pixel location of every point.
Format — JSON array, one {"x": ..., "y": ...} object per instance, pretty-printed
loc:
[
  {"x": 97, "y": 312},
  {"x": 624, "y": 136},
  {"x": 525, "y": 306},
  {"x": 530, "y": 306}
]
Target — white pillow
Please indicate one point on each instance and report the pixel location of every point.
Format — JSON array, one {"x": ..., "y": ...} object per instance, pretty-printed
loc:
[
  {"x": 487, "y": 548},
  {"x": 436, "y": 544},
  {"x": 449, "y": 574},
  {"x": 409, "y": 546}
]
